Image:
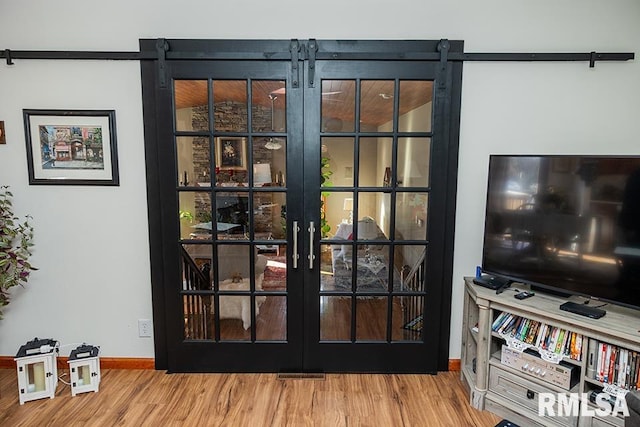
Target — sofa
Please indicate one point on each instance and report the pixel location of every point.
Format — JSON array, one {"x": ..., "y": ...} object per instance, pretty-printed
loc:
[{"x": 367, "y": 230}]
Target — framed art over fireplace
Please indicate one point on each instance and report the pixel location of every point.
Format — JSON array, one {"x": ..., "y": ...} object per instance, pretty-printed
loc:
[{"x": 231, "y": 153}]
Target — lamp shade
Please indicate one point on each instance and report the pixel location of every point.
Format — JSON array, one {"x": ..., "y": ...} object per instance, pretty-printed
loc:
[
  {"x": 261, "y": 174},
  {"x": 348, "y": 204},
  {"x": 414, "y": 170}
]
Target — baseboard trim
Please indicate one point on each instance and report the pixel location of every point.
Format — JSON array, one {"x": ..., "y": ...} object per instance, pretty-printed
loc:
[
  {"x": 127, "y": 363},
  {"x": 454, "y": 364},
  {"x": 7, "y": 362}
]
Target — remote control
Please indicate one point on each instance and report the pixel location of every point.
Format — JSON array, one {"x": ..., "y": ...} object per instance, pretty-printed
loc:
[{"x": 524, "y": 294}]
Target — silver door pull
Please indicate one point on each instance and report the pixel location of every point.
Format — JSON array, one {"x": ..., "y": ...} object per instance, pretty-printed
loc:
[
  {"x": 312, "y": 230},
  {"x": 295, "y": 255}
]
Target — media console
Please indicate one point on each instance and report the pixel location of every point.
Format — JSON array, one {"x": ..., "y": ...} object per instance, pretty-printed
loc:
[{"x": 498, "y": 327}]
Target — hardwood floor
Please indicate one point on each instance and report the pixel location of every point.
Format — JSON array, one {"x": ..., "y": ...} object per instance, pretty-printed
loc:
[
  {"x": 147, "y": 397},
  {"x": 335, "y": 313}
]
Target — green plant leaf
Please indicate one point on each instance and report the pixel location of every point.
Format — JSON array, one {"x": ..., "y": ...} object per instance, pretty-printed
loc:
[{"x": 15, "y": 241}]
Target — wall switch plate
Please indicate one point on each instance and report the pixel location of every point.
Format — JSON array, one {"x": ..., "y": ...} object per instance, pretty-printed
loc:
[{"x": 145, "y": 328}]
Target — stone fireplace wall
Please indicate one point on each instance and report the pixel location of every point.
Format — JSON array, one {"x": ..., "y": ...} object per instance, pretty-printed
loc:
[{"x": 232, "y": 117}]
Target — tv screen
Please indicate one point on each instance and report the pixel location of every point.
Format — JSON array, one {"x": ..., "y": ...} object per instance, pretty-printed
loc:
[{"x": 566, "y": 223}]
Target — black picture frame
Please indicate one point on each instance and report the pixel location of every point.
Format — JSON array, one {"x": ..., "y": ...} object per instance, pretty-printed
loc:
[
  {"x": 71, "y": 147},
  {"x": 231, "y": 153}
]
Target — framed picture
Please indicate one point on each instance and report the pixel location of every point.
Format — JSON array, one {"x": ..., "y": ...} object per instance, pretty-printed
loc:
[
  {"x": 71, "y": 147},
  {"x": 231, "y": 153}
]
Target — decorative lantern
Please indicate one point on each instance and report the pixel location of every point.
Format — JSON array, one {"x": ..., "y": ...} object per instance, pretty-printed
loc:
[
  {"x": 84, "y": 368},
  {"x": 37, "y": 369}
]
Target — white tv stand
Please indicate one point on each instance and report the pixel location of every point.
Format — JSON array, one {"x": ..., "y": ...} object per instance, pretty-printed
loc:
[{"x": 512, "y": 393}]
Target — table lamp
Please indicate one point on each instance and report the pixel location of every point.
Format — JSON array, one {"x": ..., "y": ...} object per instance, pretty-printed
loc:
[
  {"x": 261, "y": 174},
  {"x": 348, "y": 206}
]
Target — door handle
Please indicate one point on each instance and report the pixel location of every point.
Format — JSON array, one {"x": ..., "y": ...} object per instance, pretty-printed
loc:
[
  {"x": 295, "y": 255},
  {"x": 312, "y": 230}
]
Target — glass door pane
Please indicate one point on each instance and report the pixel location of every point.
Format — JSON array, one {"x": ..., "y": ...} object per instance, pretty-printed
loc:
[
  {"x": 365, "y": 214},
  {"x": 233, "y": 230},
  {"x": 374, "y": 157}
]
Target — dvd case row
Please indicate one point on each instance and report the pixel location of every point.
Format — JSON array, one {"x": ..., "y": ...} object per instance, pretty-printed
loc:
[
  {"x": 539, "y": 335},
  {"x": 614, "y": 365}
]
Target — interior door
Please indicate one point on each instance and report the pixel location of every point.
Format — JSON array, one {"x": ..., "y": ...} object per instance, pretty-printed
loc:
[
  {"x": 378, "y": 152},
  {"x": 224, "y": 146},
  {"x": 298, "y": 205}
]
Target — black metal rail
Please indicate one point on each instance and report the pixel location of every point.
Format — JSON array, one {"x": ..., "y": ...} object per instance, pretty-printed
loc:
[{"x": 591, "y": 57}]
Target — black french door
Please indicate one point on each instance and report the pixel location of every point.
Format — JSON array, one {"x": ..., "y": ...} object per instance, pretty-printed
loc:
[{"x": 301, "y": 200}]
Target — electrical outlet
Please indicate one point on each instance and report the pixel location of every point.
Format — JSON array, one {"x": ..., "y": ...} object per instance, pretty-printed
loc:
[{"x": 145, "y": 328}]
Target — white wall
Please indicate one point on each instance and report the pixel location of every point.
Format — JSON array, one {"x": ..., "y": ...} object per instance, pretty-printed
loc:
[{"x": 92, "y": 244}]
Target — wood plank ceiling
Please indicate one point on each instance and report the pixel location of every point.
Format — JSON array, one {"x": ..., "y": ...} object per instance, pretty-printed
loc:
[{"x": 338, "y": 96}]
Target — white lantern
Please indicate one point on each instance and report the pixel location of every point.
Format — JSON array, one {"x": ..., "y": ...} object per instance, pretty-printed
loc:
[
  {"x": 84, "y": 369},
  {"x": 37, "y": 369}
]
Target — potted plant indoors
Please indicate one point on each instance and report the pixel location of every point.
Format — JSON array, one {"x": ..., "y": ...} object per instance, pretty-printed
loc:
[
  {"x": 325, "y": 176},
  {"x": 15, "y": 248}
]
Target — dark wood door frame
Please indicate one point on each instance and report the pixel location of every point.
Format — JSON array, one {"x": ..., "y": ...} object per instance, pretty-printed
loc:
[{"x": 449, "y": 81}]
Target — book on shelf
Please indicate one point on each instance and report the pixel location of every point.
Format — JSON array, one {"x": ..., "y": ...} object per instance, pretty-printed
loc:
[
  {"x": 499, "y": 320},
  {"x": 541, "y": 334},
  {"x": 532, "y": 333},
  {"x": 637, "y": 374},
  {"x": 616, "y": 368},
  {"x": 632, "y": 369},
  {"x": 516, "y": 326},
  {"x": 566, "y": 344},
  {"x": 573, "y": 350},
  {"x": 605, "y": 365},
  {"x": 551, "y": 345},
  {"x": 622, "y": 368},
  {"x": 507, "y": 324},
  {"x": 545, "y": 340},
  {"x": 592, "y": 358},
  {"x": 524, "y": 327},
  {"x": 579, "y": 340},
  {"x": 611, "y": 363},
  {"x": 560, "y": 341}
]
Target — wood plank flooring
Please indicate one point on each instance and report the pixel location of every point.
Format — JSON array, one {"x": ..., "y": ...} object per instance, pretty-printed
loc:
[
  {"x": 335, "y": 314},
  {"x": 153, "y": 398}
]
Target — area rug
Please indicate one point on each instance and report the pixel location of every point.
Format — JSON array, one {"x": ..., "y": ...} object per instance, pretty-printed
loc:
[
  {"x": 275, "y": 274},
  {"x": 414, "y": 325}
]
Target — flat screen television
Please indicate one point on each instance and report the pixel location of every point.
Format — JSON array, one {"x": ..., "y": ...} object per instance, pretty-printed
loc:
[{"x": 569, "y": 224}]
